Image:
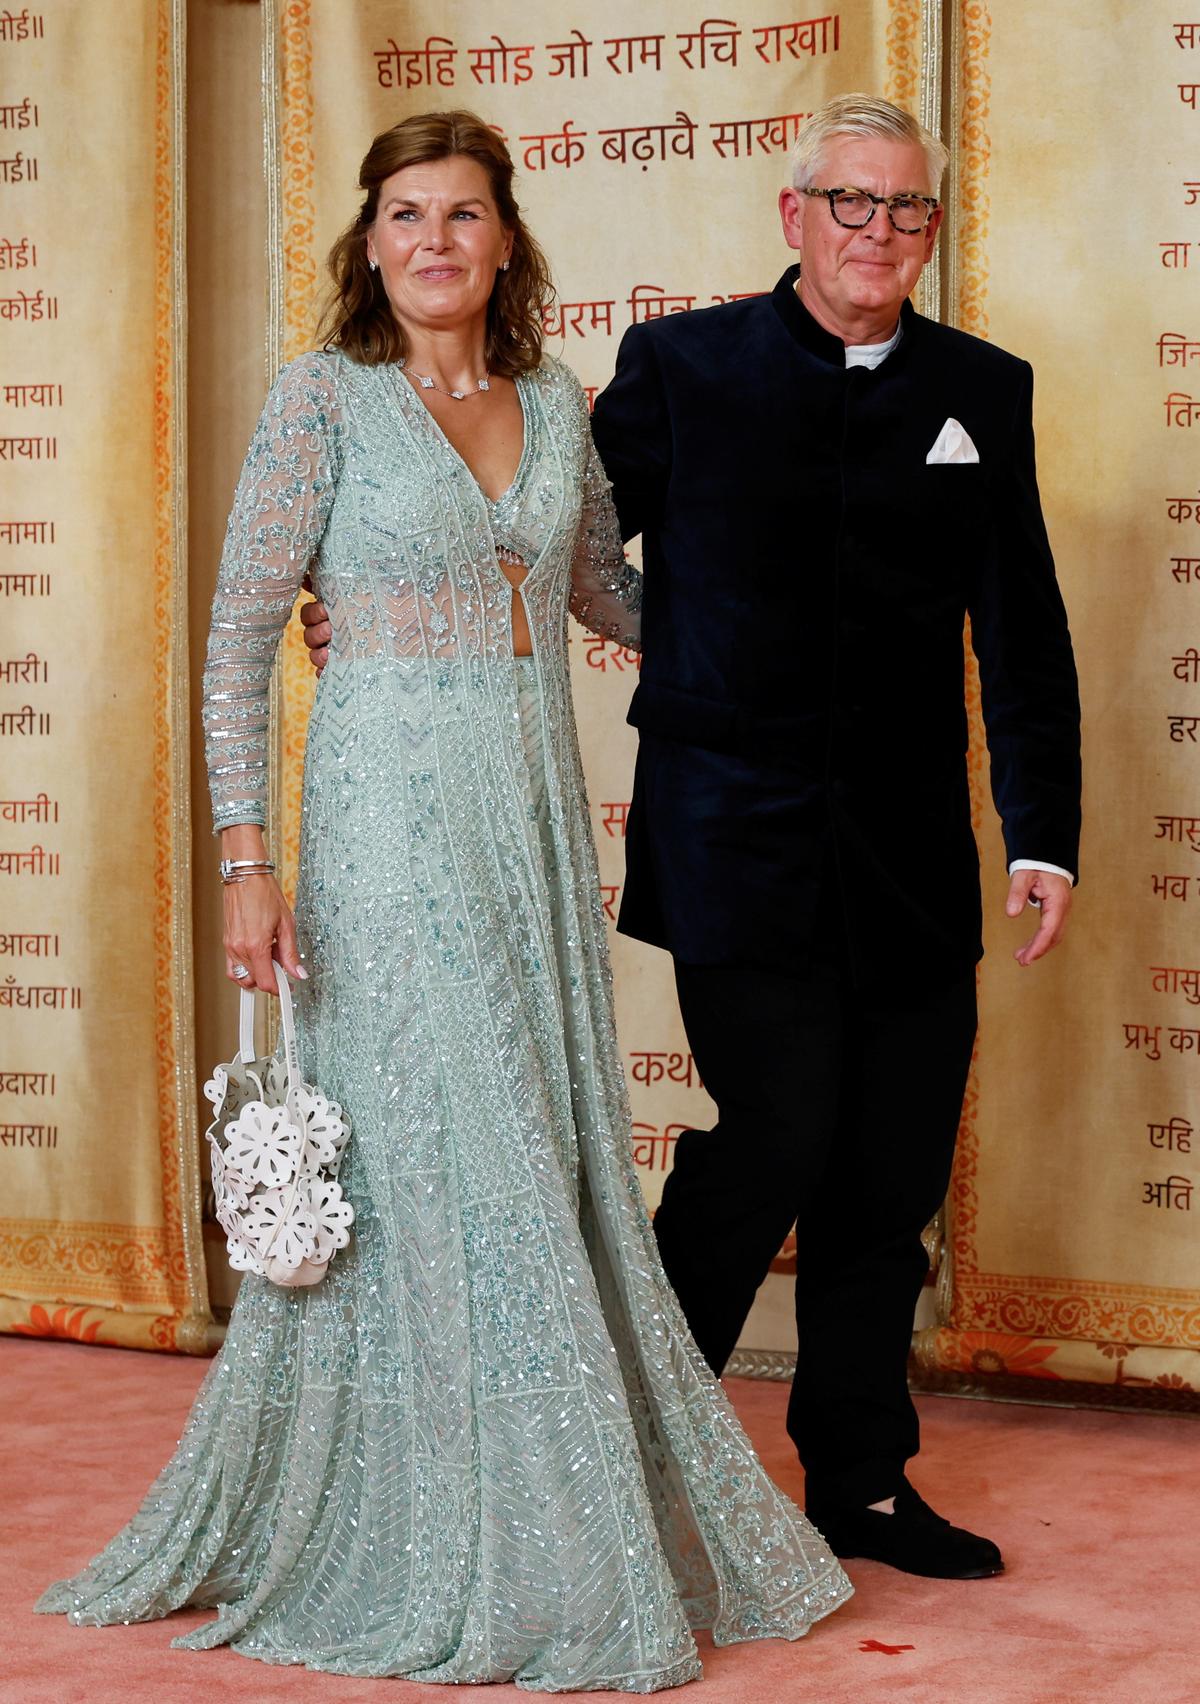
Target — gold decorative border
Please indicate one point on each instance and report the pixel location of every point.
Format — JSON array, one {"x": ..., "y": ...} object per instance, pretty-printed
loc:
[
  {"x": 299, "y": 212},
  {"x": 292, "y": 284},
  {"x": 106, "y": 1327},
  {"x": 913, "y": 47},
  {"x": 151, "y": 1265},
  {"x": 974, "y": 91},
  {"x": 1077, "y": 1308},
  {"x": 130, "y": 1264},
  {"x": 996, "y": 1323},
  {"x": 1070, "y": 1372},
  {"x": 173, "y": 990},
  {"x": 965, "y": 289},
  {"x": 903, "y": 47},
  {"x": 1055, "y": 1372}
]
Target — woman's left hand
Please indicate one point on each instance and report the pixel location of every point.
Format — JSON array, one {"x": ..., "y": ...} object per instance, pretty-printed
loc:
[{"x": 259, "y": 926}]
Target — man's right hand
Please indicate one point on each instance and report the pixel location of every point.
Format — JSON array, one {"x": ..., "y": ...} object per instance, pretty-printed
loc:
[{"x": 317, "y": 633}]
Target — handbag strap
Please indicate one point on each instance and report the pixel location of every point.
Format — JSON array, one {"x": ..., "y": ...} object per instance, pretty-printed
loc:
[
  {"x": 287, "y": 1024},
  {"x": 246, "y": 1026},
  {"x": 292, "y": 1058}
]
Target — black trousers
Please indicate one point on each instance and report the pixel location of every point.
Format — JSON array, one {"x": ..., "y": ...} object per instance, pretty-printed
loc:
[{"x": 838, "y": 1108}]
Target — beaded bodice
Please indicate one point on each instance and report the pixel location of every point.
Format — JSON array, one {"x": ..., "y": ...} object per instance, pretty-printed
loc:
[{"x": 349, "y": 476}]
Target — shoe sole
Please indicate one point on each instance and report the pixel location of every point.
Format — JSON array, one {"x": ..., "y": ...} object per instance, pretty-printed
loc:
[{"x": 917, "y": 1573}]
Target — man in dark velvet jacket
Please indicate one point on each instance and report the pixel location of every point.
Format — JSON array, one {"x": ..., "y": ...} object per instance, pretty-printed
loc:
[{"x": 826, "y": 484}]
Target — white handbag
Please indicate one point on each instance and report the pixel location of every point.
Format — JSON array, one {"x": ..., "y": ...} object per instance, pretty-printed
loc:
[{"x": 276, "y": 1147}]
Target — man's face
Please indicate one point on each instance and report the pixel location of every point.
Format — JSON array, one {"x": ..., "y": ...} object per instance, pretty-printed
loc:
[{"x": 851, "y": 279}]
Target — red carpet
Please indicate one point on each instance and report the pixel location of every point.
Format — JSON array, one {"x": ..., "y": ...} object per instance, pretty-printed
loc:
[{"x": 1098, "y": 1516}]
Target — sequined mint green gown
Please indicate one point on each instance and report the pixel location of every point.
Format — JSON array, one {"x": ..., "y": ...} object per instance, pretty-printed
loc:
[{"x": 485, "y": 1447}]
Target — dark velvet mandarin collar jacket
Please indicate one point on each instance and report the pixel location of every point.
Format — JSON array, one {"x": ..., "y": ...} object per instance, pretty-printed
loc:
[{"x": 808, "y": 574}]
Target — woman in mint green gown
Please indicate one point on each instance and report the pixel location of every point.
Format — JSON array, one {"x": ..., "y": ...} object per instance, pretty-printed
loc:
[{"x": 485, "y": 1447}]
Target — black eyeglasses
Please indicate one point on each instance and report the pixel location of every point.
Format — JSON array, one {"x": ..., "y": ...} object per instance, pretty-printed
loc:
[{"x": 855, "y": 208}]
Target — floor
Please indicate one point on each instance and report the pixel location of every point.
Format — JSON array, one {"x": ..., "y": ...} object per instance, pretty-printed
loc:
[{"x": 1098, "y": 1515}]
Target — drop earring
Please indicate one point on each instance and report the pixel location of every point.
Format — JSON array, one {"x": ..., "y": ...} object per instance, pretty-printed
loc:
[{"x": 372, "y": 264}]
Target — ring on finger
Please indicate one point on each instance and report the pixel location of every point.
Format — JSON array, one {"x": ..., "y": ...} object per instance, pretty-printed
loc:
[{"x": 238, "y": 970}]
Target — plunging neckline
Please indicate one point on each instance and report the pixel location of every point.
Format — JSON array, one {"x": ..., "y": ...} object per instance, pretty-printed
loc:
[{"x": 493, "y": 503}]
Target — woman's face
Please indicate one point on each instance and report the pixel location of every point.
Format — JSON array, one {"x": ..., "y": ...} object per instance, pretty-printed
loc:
[{"x": 438, "y": 240}]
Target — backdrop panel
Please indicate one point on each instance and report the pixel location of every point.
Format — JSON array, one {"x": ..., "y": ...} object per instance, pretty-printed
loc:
[
  {"x": 650, "y": 146},
  {"x": 1073, "y": 1228},
  {"x": 100, "y": 1234}
]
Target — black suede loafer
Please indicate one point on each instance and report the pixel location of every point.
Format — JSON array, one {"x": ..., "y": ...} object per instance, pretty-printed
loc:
[{"x": 913, "y": 1539}]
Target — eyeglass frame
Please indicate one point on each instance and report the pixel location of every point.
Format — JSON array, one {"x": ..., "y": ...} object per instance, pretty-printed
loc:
[{"x": 930, "y": 202}]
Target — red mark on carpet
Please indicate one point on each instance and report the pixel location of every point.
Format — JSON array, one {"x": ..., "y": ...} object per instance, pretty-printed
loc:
[{"x": 888, "y": 1650}]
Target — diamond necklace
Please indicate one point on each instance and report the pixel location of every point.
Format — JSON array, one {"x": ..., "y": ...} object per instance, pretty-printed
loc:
[{"x": 459, "y": 396}]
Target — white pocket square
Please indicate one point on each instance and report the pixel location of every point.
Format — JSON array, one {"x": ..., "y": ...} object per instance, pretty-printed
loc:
[{"x": 953, "y": 445}]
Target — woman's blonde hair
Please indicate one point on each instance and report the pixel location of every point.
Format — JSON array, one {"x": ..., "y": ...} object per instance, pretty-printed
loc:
[
  {"x": 359, "y": 318},
  {"x": 862, "y": 115}
]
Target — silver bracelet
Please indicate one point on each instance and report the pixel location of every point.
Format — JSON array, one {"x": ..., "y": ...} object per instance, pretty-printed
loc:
[{"x": 238, "y": 869}]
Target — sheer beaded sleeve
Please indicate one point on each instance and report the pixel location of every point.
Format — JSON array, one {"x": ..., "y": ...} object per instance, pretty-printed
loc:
[
  {"x": 606, "y": 590},
  {"x": 279, "y": 513}
]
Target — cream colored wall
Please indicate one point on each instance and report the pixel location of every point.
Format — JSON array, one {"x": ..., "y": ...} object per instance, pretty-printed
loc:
[{"x": 96, "y": 1153}]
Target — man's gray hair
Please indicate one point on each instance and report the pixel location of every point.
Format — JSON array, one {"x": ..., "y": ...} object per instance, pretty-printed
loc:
[{"x": 866, "y": 116}]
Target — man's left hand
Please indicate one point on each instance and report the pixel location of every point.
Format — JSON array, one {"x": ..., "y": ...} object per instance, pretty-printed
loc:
[{"x": 1054, "y": 894}]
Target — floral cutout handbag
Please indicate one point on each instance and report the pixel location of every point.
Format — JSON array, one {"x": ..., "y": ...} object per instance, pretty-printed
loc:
[{"x": 276, "y": 1147}]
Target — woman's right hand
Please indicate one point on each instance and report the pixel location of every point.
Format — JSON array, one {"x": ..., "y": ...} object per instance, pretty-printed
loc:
[{"x": 259, "y": 926}]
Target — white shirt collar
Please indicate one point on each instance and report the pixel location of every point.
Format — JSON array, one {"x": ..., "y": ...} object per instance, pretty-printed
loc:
[{"x": 872, "y": 354}]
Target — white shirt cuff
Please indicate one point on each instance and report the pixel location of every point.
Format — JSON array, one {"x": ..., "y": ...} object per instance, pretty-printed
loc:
[{"x": 1033, "y": 864}]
